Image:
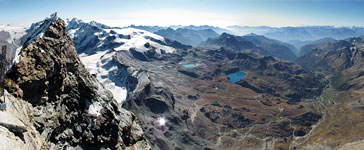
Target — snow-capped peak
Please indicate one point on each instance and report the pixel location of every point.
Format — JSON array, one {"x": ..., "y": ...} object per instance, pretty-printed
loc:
[
  {"x": 40, "y": 28},
  {"x": 73, "y": 23},
  {"x": 92, "y": 37},
  {"x": 35, "y": 31}
]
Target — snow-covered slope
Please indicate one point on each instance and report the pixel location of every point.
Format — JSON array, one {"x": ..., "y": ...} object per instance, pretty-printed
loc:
[
  {"x": 15, "y": 33},
  {"x": 137, "y": 39},
  {"x": 10, "y": 36},
  {"x": 97, "y": 44},
  {"x": 93, "y": 37}
]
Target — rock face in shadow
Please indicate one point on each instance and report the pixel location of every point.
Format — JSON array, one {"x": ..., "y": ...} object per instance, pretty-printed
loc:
[{"x": 71, "y": 108}]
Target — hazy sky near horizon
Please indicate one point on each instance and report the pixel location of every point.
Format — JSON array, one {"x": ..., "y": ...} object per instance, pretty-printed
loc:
[{"x": 221, "y": 13}]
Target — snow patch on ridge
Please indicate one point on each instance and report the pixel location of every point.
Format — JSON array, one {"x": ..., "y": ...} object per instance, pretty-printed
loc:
[
  {"x": 138, "y": 38},
  {"x": 94, "y": 109},
  {"x": 72, "y": 32},
  {"x": 99, "y": 65},
  {"x": 17, "y": 52},
  {"x": 38, "y": 32}
]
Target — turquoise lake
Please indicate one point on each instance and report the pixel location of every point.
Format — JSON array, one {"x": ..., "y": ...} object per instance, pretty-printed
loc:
[
  {"x": 220, "y": 88},
  {"x": 189, "y": 66},
  {"x": 237, "y": 76}
]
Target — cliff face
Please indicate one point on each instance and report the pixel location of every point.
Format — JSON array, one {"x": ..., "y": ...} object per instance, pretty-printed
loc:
[{"x": 71, "y": 108}]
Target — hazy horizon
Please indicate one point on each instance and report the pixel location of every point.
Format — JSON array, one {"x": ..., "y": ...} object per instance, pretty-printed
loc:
[
  {"x": 175, "y": 25},
  {"x": 281, "y": 13}
]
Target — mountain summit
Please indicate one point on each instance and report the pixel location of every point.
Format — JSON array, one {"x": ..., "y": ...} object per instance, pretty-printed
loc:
[{"x": 72, "y": 110}]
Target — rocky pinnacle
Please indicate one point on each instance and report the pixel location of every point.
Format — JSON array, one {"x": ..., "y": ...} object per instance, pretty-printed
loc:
[{"x": 72, "y": 110}]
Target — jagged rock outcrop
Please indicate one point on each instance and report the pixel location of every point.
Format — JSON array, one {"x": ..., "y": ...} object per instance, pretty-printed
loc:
[
  {"x": 16, "y": 126},
  {"x": 71, "y": 108}
]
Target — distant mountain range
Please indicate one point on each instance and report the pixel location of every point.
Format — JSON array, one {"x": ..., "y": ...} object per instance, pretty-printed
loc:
[
  {"x": 204, "y": 27},
  {"x": 253, "y": 43},
  {"x": 318, "y": 44},
  {"x": 191, "y": 27},
  {"x": 187, "y": 36},
  {"x": 344, "y": 59},
  {"x": 297, "y": 36},
  {"x": 148, "y": 28},
  {"x": 300, "y": 33},
  {"x": 335, "y": 55},
  {"x": 242, "y": 30}
]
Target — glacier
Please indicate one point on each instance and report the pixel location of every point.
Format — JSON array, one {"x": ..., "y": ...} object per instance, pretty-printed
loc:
[{"x": 97, "y": 44}]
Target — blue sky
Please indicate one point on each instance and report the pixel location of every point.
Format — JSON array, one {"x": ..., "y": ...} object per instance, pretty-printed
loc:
[{"x": 186, "y": 12}]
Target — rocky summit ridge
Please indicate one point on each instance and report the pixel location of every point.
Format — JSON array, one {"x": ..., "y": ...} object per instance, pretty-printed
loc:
[{"x": 69, "y": 108}]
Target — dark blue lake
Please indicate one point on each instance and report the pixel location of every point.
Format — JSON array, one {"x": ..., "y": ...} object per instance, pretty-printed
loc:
[
  {"x": 237, "y": 76},
  {"x": 189, "y": 66}
]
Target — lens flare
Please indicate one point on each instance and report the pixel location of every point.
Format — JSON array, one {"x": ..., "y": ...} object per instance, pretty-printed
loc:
[{"x": 161, "y": 121}]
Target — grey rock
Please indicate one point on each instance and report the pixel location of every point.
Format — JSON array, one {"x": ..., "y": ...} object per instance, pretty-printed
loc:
[{"x": 16, "y": 128}]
